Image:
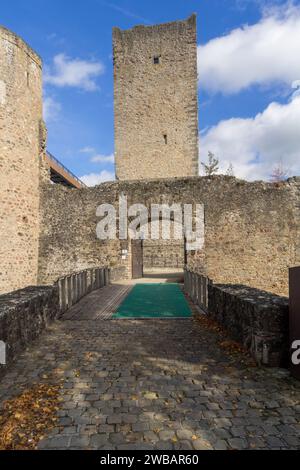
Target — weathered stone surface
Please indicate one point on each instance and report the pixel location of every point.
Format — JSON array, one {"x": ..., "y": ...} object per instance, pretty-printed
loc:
[
  {"x": 247, "y": 228},
  {"x": 20, "y": 153},
  {"x": 24, "y": 314},
  {"x": 156, "y": 104},
  {"x": 163, "y": 254},
  {"x": 257, "y": 319},
  {"x": 172, "y": 358},
  {"x": 118, "y": 273}
]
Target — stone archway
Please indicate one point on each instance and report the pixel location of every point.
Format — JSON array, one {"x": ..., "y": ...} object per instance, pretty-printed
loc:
[{"x": 160, "y": 256}]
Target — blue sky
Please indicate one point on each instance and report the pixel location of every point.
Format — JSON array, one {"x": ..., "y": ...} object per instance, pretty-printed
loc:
[{"x": 248, "y": 58}]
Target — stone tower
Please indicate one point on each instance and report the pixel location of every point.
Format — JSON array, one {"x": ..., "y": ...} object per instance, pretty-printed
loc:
[
  {"x": 156, "y": 104},
  {"x": 21, "y": 128}
]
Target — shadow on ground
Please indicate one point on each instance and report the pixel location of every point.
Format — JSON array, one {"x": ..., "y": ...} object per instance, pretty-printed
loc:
[{"x": 156, "y": 384}]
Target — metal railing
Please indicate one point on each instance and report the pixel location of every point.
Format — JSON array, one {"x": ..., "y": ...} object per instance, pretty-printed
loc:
[
  {"x": 52, "y": 157},
  {"x": 75, "y": 286},
  {"x": 196, "y": 286}
]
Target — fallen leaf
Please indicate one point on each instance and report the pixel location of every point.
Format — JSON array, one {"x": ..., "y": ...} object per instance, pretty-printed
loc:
[{"x": 27, "y": 418}]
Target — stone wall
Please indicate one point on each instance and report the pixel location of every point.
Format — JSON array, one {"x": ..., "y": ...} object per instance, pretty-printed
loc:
[
  {"x": 252, "y": 230},
  {"x": 68, "y": 241},
  {"x": 21, "y": 142},
  {"x": 24, "y": 314},
  {"x": 118, "y": 273},
  {"x": 257, "y": 319},
  {"x": 163, "y": 254},
  {"x": 156, "y": 107}
]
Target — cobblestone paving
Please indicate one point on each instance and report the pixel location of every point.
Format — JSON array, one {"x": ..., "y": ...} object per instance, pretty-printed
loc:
[{"x": 156, "y": 384}]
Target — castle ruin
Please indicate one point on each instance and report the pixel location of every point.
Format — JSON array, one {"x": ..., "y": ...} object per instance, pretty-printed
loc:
[
  {"x": 89, "y": 360},
  {"x": 156, "y": 101},
  {"x": 252, "y": 230}
]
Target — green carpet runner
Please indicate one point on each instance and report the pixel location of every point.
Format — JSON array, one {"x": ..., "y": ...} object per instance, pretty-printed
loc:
[{"x": 154, "y": 301}]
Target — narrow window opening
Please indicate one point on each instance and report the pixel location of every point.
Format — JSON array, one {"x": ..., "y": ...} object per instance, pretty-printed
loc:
[
  {"x": 166, "y": 138},
  {"x": 27, "y": 77},
  {"x": 156, "y": 60}
]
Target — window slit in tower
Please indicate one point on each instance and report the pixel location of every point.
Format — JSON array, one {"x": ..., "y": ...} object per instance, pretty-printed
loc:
[{"x": 166, "y": 138}]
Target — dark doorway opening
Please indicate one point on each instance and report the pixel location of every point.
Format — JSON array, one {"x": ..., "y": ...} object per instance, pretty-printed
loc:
[{"x": 137, "y": 259}]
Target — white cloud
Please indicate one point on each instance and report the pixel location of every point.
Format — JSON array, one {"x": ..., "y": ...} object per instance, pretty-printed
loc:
[
  {"x": 51, "y": 108},
  {"x": 263, "y": 54},
  {"x": 73, "y": 73},
  {"x": 93, "y": 179},
  {"x": 256, "y": 144},
  {"x": 103, "y": 158},
  {"x": 262, "y": 4},
  {"x": 87, "y": 150},
  {"x": 55, "y": 39},
  {"x": 296, "y": 86}
]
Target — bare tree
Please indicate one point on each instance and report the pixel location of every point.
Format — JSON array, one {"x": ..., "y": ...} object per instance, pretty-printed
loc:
[
  {"x": 230, "y": 170},
  {"x": 279, "y": 172},
  {"x": 212, "y": 166}
]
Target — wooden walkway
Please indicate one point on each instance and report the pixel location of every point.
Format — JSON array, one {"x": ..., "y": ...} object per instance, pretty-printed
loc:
[{"x": 100, "y": 304}]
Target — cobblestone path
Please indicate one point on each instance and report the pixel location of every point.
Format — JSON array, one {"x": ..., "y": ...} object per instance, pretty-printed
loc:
[{"x": 155, "y": 384}]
